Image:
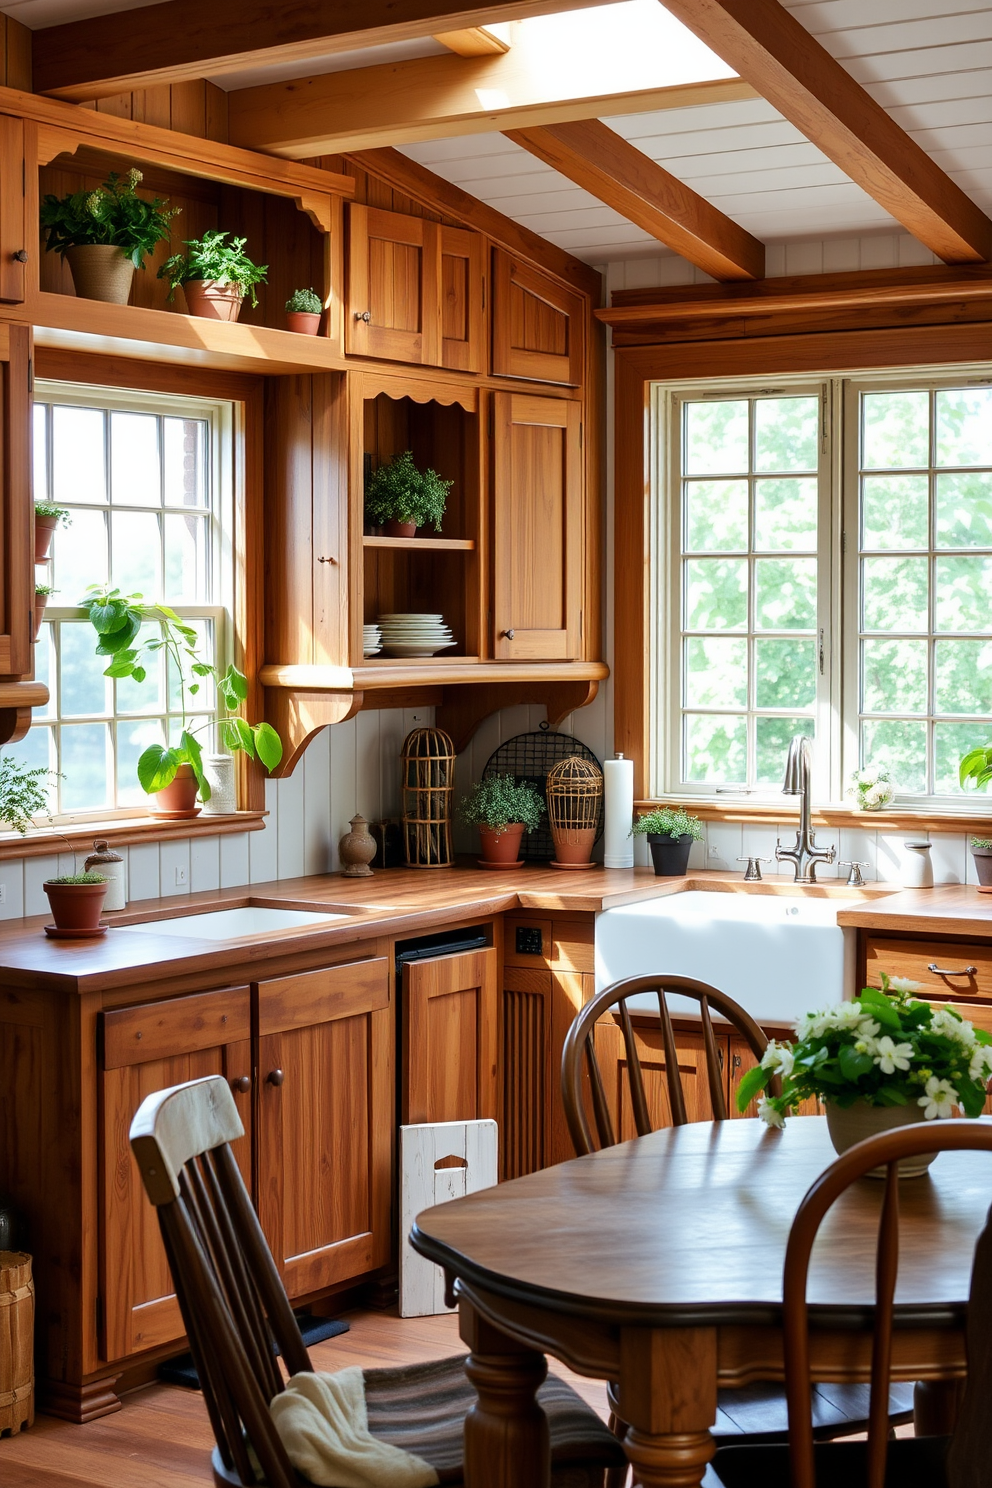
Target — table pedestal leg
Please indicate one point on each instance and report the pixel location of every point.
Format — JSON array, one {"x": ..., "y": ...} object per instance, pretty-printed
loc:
[
  {"x": 670, "y": 1461},
  {"x": 935, "y": 1406},
  {"x": 668, "y": 1395},
  {"x": 507, "y": 1444}
]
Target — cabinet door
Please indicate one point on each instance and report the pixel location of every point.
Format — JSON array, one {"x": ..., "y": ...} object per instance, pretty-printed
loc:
[
  {"x": 612, "y": 1057},
  {"x": 13, "y": 237},
  {"x": 462, "y": 318},
  {"x": 538, "y": 532},
  {"x": 538, "y": 325},
  {"x": 450, "y": 1014},
  {"x": 325, "y": 1119},
  {"x": 741, "y": 1060},
  {"x": 393, "y": 264},
  {"x": 17, "y": 518},
  {"x": 526, "y": 1018},
  {"x": 147, "y": 1048}
]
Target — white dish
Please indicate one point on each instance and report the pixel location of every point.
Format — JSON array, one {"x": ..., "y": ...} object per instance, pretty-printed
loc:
[
  {"x": 440, "y": 631},
  {"x": 399, "y": 648},
  {"x": 409, "y": 615}
]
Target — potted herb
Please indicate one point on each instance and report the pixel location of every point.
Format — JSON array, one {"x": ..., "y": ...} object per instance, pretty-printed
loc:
[
  {"x": 303, "y": 312},
  {"x": 42, "y": 593},
  {"x": 21, "y": 795},
  {"x": 77, "y": 902},
  {"x": 401, "y": 498},
  {"x": 215, "y": 276},
  {"x": 46, "y": 519},
  {"x": 871, "y": 788},
  {"x": 105, "y": 234},
  {"x": 882, "y": 1061},
  {"x": 670, "y": 835},
  {"x": 981, "y": 852},
  {"x": 503, "y": 809},
  {"x": 173, "y": 774}
]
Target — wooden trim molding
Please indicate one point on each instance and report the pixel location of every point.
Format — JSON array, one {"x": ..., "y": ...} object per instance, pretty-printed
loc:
[
  {"x": 48, "y": 841},
  {"x": 766, "y": 813}
]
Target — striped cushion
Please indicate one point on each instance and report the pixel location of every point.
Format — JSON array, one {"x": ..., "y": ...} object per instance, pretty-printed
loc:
[{"x": 422, "y": 1408}]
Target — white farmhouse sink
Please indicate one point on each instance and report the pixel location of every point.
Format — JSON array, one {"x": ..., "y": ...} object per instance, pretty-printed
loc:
[
  {"x": 777, "y": 955},
  {"x": 236, "y": 924}
]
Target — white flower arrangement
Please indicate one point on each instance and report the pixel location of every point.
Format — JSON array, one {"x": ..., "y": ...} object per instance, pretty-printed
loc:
[{"x": 871, "y": 788}]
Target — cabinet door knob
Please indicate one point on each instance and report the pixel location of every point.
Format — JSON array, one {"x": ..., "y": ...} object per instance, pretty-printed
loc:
[
  {"x": 509, "y": 634},
  {"x": 242, "y": 1084},
  {"x": 275, "y": 1077},
  {"x": 21, "y": 256},
  {"x": 365, "y": 315},
  {"x": 321, "y": 559}
]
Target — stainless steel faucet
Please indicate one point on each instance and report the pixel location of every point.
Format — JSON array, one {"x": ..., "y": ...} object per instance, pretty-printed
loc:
[{"x": 798, "y": 775}]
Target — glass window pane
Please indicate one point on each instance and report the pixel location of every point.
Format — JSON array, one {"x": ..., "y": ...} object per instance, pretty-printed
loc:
[
  {"x": 964, "y": 510},
  {"x": 44, "y": 668},
  {"x": 786, "y": 433},
  {"x": 901, "y": 746},
  {"x": 894, "y": 676},
  {"x": 78, "y": 455},
  {"x": 963, "y": 676},
  {"x": 80, "y": 556},
  {"x": 894, "y": 511},
  {"x": 39, "y": 445},
  {"x": 772, "y": 739},
  {"x": 896, "y": 431},
  {"x": 186, "y": 572},
  {"x": 716, "y": 594},
  {"x": 964, "y": 426},
  {"x": 785, "y": 593},
  {"x": 84, "y": 688},
  {"x": 132, "y": 740},
  {"x": 951, "y": 741},
  {"x": 963, "y": 592},
  {"x": 715, "y": 672},
  {"x": 86, "y": 766},
  {"x": 134, "y": 460},
  {"x": 147, "y": 696},
  {"x": 715, "y": 749},
  {"x": 785, "y": 515},
  {"x": 894, "y": 593},
  {"x": 716, "y": 438},
  {"x": 715, "y": 516},
  {"x": 785, "y": 673},
  {"x": 185, "y": 445},
  {"x": 36, "y": 751},
  {"x": 137, "y": 560},
  {"x": 204, "y": 694}
]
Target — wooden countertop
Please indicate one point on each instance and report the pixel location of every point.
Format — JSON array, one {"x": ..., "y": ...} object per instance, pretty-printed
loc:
[{"x": 407, "y": 902}]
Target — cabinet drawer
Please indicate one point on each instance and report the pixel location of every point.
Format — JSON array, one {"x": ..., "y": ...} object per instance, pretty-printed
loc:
[
  {"x": 320, "y": 996},
  {"x": 963, "y": 969},
  {"x": 173, "y": 1027}
]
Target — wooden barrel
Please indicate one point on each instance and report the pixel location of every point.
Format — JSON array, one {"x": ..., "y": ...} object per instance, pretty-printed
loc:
[{"x": 16, "y": 1341}]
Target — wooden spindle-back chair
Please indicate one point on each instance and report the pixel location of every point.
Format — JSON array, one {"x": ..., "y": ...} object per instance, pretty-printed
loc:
[
  {"x": 235, "y": 1310},
  {"x": 963, "y": 1460}
]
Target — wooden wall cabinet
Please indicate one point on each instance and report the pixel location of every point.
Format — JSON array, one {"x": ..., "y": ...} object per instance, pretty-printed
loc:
[
  {"x": 14, "y": 236},
  {"x": 538, "y": 325},
  {"x": 450, "y": 1014},
  {"x": 17, "y": 525}
]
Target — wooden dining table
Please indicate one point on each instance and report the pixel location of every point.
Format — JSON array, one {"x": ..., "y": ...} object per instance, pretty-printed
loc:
[{"x": 657, "y": 1264}]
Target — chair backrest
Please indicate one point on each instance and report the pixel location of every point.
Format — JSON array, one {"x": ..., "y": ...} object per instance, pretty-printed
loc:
[
  {"x": 971, "y": 1447},
  {"x": 580, "y": 1050},
  {"x": 232, "y": 1300}
]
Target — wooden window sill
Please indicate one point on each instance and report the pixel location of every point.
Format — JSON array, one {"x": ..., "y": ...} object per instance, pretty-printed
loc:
[
  {"x": 770, "y": 813},
  {"x": 121, "y": 831}
]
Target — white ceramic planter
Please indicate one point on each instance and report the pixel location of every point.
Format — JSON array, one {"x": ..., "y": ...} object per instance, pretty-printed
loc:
[{"x": 848, "y": 1125}]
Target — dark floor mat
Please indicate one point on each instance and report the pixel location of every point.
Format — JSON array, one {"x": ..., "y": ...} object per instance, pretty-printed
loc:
[{"x": 182, "y": 1370}]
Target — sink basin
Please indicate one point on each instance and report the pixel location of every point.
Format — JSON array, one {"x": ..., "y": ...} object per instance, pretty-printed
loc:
[{"x": 236, "y": 924}]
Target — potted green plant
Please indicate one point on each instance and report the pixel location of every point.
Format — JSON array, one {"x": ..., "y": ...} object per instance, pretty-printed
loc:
[
  {"x": 214, "y": 275},
  {"x": 981, "y": 852},
  {"x": 503, "y": 809},
  {"x": 882, "y": 1061},
  {"x": 670, "y": 835},
  {"x": 42, "y": 594},
  {"x": 21, "y": 795},
  {"x": 303, "y": 312},
  {"x": 46, "y": 518},
  {"x": 401, "y": 498},
  {"x": 174, "y": 774},
  {"x": 76, "y": 901},
  {"x": 105, "y": 234}
]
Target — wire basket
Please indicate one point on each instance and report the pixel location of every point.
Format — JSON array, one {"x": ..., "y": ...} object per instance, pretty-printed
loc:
[
  {"x": 428, "y": 787},
  {"x": 575, "y": 799},
  {"x": 529, "y": 757}
]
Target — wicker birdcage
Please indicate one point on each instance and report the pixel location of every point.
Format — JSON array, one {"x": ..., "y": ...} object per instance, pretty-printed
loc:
[
  {"x": 575, "y": 799},
  {"x": 428, "y": 787}
]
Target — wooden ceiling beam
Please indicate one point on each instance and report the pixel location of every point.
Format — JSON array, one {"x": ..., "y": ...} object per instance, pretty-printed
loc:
[
  {"x": 765, "y": 44},
  {"x": 603, "y": 163},
  {"x": 477, "y": 41}
]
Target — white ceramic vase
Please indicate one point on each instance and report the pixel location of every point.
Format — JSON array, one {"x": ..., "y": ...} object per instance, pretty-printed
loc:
[
  {"x": 848, "y": 1125},
  {"x": 218, "y": 770}
]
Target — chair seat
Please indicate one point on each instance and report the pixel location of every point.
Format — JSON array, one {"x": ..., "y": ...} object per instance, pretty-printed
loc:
[
  {"x": 913, "y": 1462},
  {"x": 759, "y": 1412}
]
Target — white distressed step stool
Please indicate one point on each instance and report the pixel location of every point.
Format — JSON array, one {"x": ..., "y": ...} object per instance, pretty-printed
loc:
[{"x": 439, "y": 1161}]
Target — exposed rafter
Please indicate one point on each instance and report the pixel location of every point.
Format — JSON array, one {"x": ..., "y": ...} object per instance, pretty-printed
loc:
[
  {"x": 763, "y": 42},
  {"x": 598, "y": 159},
  {"x": 477, "y": 41}
]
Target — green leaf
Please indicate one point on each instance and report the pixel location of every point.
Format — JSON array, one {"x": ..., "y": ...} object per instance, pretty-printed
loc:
[
  {"x": 237, "y": 681},
  {"x": 107, "y": 617},
  {"x": 751, "y": 1085},
  {"x": 245, "y": 739},
  {"x": 229, "y": 736},
  {"x": 139, "y": 674},
  {"x": 157, "y": 768},
  {"x": 853, "y": 1065},
  {"x": 122, "y": 667},
  {"x": 111, "y": 642},
  {"x": 201, "y": 669},
  {"x": 268, "y": 745},
  {"x": 891, "y": 1095}
]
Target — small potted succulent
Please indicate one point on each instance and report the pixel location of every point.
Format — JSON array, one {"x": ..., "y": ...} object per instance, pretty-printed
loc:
[
  {"x": 981, "y": 852},
  {"x": 76, "y": 901},
  {"x": 670, "y": 835},
  {"x": 503, "y": 809},
  {"x": 400, "y": 498},
  {"x": 46, "y": 519},
  {"x": 215, "y": 276},
  {"x": 105, "y": 234},
  {"x": 42, "y": 594},
  {"x": 303, "y": 312}
]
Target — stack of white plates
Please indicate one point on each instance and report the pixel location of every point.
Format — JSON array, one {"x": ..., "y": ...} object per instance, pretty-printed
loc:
[
  {"x": 415, "y": 634},
  {"x": 371, "y": 640}
]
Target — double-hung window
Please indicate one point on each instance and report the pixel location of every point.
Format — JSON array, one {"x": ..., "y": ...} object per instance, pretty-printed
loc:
[{"x": 147, "y": 482}]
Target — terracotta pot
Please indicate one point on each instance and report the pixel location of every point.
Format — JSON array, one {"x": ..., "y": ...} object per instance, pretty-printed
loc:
[
  {"x": 303, "y": 322},
  {"x": 178, "y": 799},
  {"x": 573, "y": 845},
  {"x": 76, "y": 906},
  {"x": 100, "y": 272},
  {"x": 44, "y": 531},
  {"x": 40, "y": 601},
  {"x": 983, "y": 868},
  {"x": 670, "y": 855},
  {"x": 504, "y": 846},
  {"x": 393, "y": 528},
  {"x": 213, "y": 301},
  {"x": 850, "y": 1124}
]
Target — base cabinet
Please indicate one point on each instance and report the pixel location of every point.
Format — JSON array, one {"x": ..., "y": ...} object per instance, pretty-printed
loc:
[{"x": 449, "y": 1019}]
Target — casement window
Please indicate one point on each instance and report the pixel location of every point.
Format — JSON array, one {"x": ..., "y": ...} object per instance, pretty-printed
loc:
[
  {"x": 822, "y": 564},
  {"x": 147, "y": 481}
]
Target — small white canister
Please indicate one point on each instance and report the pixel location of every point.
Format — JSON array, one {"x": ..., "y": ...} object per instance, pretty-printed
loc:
[
  {"x": 916, "y": 868},
  {"x": 104, "y": 860},
  {"x": 218, "y": 769}
]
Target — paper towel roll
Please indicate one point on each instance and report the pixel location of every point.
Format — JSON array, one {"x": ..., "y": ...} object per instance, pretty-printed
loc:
[{"x": 618, "y": 786}]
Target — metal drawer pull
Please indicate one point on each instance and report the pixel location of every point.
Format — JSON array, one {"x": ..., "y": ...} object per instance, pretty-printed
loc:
[{"x": 944, "y": 971}]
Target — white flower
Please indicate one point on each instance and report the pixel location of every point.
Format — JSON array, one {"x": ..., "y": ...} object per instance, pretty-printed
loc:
[
  {"x": 940, "y": 1099},
  {"x": 892, "y": 1057},
  {"x": 779, "y": 1058},
  {"x": 768, "y": 1113},
  {"x": 949, "y": 1026},
  {"x": 869, "y": 1029},
  {"x": 903, "y": 984},
  {"x": 980, "y": 1066},
  {"x": 842, "y": 1017},
  {"x": 868, "y": 776}
]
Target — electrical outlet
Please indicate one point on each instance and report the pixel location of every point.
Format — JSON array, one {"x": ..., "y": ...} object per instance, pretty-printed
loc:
[{"x": 182, "y": 875}]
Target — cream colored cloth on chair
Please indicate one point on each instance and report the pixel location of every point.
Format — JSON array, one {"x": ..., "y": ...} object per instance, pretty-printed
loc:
[{"x": 324, "y": 1426}]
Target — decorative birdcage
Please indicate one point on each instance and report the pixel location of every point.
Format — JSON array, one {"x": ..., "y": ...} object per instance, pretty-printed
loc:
[
  {"x": 428, "y": 787},
  {"x": 575, "y": 802}
]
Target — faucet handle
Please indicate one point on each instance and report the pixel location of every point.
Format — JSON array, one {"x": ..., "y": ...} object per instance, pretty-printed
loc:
[
  {"x": 854, "y": 879},
  {"x": 753, "y": 871}
]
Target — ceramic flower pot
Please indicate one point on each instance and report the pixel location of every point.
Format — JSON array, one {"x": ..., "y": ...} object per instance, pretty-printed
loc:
[
  {"x": 501, "y": 846},
  {"x": 983, "y": 868},
  {"x": 573, "y": 846},
  {"x": 212, "y": 301},
  {"x": 670, "y": 855},
  {"x": 76, "y": 906},
  {"x": 177, "y": 801},
  {"x": 393, "y": 528},
  {"x": 44, "y": 531},
  {"x": 850, "y": 1124},
  {"x": 303, "y": 322},
  {"x": 40, "y": 601},
  {"x": 100, "y": 271}
]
